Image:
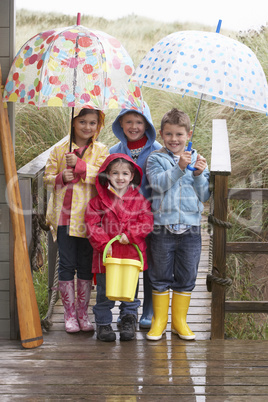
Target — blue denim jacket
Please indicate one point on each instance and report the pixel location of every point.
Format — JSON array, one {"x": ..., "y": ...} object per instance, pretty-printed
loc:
[{"x": 177, "y": 195}]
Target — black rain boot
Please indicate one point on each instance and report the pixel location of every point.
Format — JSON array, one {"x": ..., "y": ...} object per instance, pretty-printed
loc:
[
  {"x": 105, "y": 333},
  {"x": 128, "y": 326}
]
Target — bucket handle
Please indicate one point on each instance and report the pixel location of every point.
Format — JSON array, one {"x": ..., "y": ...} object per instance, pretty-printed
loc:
[{"x": 118, "y": 237}]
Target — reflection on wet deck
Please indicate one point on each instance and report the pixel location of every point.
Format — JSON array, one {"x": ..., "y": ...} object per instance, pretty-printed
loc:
[{"x": 78, "y": 367}]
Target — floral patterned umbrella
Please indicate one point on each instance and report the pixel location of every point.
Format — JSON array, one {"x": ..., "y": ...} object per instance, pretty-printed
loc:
[{"x": 71, "y": 67}]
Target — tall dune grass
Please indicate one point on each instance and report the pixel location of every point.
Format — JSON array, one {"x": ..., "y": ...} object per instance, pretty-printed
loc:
[{"x": 37, "y": 130}]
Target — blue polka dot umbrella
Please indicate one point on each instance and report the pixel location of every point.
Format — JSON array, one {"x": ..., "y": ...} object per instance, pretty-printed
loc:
[
  {"x": 208, "y": 66},
  {"x": 215, "y": 66}
]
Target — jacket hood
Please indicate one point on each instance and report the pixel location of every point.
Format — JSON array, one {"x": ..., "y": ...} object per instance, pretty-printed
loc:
[
  {"x": 101, "y": 186},
  {"x": 149, "y": 132}
]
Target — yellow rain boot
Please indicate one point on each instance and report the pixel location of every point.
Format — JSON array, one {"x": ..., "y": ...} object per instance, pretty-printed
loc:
[
  {"x": 160, "y": 318},
  {"x": 179, "y": 309}
]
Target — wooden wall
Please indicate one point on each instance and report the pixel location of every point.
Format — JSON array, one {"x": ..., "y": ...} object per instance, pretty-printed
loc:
[{"x": 8, "y": 322}]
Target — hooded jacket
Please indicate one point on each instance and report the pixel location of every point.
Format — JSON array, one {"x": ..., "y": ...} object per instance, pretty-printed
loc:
[
  {"x": 150, "y": 146},
  {"x": 177, "y": 195},
  {"x": 83, "y": 187},
  {"x": 108, "y": 215}
]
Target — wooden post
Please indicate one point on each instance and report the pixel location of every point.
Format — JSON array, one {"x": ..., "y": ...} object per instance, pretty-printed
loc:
[
  {"x": 220, "y": 169},
  {"x": 219, "y": 257}
]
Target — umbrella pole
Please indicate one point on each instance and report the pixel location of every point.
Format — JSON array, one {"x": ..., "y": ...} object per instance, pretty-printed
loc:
[
  {"x": 189, "y": 147},
  {"x": 78, "y": 21},
  {"x": 72, "y": 131},
  {"x": 196, "y": 116},
  {"x": 29, "y": 319}
]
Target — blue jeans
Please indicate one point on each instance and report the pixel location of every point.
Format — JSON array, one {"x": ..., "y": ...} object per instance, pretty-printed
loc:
[
  {"x": 103, "y": 307},
  {"x": 175, "y": 259},
  {"x": 147, "y": 308},
  {"x": 75, "y": 255}
]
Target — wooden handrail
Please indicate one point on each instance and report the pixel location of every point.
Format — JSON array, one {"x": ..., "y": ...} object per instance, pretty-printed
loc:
[
  {"x": 36, "y": 165},
  {"x": 246, "y": 306},
  {"x": 260, "y": 194}
]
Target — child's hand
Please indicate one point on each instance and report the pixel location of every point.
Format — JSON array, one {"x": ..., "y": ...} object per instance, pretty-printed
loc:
[
  {"x": 71, "y": 159},
  {"x": 185, "y": 159},
  {"x": 110, "y": 251},
  {"x": 124, "y": 239},
  {"x": 67, "y": 175},
  {"x": 200, "y": 165}
]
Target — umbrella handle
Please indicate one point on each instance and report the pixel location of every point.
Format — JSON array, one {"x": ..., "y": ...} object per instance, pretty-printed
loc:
[{"x": 189, "y": 167}]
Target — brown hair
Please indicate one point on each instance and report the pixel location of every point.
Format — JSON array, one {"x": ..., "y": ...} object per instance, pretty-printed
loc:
[
  {"x": 101, "y": 116},
  {"x": 103, "y": 176},
  {"x": 175, "y": 116}
]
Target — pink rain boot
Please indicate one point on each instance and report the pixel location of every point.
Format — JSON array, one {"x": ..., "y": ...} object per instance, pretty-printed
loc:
[
  {"x": 82, "y": 302},
  {"x": 68, "y": 301}
]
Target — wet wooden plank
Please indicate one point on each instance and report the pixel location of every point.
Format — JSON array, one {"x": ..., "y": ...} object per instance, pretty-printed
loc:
[
  {"x": 79, "y": 367},
  {"x": 88, "y": 390},
  {"x": 138, "y": 370}
]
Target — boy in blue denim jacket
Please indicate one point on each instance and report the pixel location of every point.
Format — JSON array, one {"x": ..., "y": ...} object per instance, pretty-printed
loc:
[{"x": 177, "y": 197}]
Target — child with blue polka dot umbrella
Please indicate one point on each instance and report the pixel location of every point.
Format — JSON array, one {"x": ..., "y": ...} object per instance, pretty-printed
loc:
[{"x": 208, "y": 66}]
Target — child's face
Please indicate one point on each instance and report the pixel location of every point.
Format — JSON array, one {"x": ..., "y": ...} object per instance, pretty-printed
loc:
[
  {"x": 120, "y": 177},
  {"x": 133, "y": 125},
  {"x": 84, "y": 128},
  {"x": 175, "y": 138}
]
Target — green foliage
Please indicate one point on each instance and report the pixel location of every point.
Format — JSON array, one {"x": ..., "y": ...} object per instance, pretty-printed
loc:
[
  {"x": 248, "y": 272},
  {"x": 246, "y": 326},
  {"x": 40, "y": 281},
  {"x": 37, "y": 130}
]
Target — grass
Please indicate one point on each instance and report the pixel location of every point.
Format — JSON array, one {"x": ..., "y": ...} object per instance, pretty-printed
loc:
[
  {"x": 40, "y": 279},
  {"x": 37, "y": 130},
  {"x": 41, "y": 290},
  {"x": 248, "y": 273}
]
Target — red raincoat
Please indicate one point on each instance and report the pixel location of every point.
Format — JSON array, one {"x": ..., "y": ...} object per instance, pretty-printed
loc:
[{"x": 108, "y": 215}]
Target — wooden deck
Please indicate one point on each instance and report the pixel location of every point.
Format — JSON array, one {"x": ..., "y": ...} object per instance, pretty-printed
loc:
[{"x": 74, "y": 367}]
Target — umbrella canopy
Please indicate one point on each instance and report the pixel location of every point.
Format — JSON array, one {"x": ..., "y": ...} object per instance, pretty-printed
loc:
[
  {"x": 207, "y": 64},
  {"x": 73, "y": 66}
]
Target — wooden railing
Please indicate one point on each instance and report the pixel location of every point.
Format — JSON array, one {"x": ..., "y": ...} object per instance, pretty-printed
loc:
[
  {"x": 31, "y": 173},
  {"x": 220, "y": 170}
]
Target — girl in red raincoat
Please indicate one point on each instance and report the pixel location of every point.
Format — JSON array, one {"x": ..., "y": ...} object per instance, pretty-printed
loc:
[{"x": 118, "y": 209}]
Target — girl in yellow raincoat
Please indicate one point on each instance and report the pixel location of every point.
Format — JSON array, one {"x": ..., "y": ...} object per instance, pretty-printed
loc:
[{"x": 71, "y": 178}]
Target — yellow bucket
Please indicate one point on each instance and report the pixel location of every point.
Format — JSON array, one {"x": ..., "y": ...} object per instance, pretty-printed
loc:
[{"x": 122, "y": 274}]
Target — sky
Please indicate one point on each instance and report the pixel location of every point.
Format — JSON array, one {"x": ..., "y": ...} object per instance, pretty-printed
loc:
[{"x": 237, "y": 15}]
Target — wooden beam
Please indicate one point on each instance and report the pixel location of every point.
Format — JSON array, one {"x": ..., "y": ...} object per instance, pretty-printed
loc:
[
  {"x": 246, "y": 306},
  {"x": 254, "y": 194},
  {"x": 247, "y": 247},
  {"x": 220, "y": 153}
]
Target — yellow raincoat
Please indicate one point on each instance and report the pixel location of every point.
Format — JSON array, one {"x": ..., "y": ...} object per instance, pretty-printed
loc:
[{"x": 83, "y": 190}]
